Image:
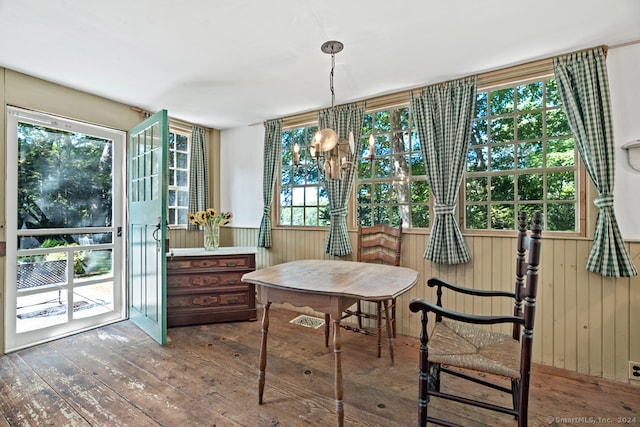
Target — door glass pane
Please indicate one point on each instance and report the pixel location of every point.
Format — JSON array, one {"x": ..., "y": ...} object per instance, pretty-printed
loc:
[
  {"x": 41, "y": 310},
  {"x": 92, "y": 300},
  {"x": 64, "y": 179}
]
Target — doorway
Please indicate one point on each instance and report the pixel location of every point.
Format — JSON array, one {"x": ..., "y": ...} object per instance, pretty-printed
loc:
[{"x": 65, "y": 235}]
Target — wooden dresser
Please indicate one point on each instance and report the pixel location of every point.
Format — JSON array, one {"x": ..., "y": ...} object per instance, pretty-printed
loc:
[{"x": 206, "y": 286}]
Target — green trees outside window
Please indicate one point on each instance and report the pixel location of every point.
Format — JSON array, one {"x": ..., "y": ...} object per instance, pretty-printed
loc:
[{"x": 521, "y": 157}]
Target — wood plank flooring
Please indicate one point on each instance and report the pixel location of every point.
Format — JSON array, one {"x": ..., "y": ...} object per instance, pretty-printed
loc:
[{"x": 207, "y": 376}]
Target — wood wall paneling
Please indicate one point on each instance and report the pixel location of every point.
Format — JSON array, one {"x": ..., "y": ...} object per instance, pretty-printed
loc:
[{"x": 585, "y": 323}]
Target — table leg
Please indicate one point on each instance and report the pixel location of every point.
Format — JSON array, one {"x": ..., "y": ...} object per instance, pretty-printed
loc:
[
  {"x": 388, "y": 328},
  {"x": 263, "y": 351},
  {"x": 337, "y": 351},
  {"x": 327, "y": 327}
]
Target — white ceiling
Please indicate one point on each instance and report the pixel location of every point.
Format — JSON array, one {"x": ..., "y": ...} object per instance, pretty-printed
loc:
[{"x": 231, "y": 63}]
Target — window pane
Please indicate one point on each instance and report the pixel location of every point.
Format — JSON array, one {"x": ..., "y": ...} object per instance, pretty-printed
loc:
[
  {"x": 502, "y": 187},
  {"x": 182, "y": 143},
  {"x": 311, "y": 216},
  {"x": 530, "y": 96},
  {"x": 400, "y": 119},
  {"x": 561, "y": 152},
  {"x": 502, "y": 101},
  {"x": 553, "y": 96},
  {"x": 420, "y": 216},
  {"x": 381, "y": 193},
  {"x": 364, "y": 193},
  {"x": 502, "y": 157},
  {"x": 181, "y": 160},
  {"x": 530, "y": 126},
  {"x": 530, "y": 155},
  {"x": 285, "y": 216},
  {"x": 476, "y": 217},
  {"x": 382, "y": 167},
  {"x": 479, "y": 132},
  {"x": 557, "y": 123},
  {"x": 417, "y": 165},
  {"x": 476, "y": 189},
  {"x": 420, "y": 192},
  {"x": 502, "y": 217},
  {"x": 181, "y": 178},
  {"x": 297, "y": 216},
  {"x": 477, "y": 159},
  {"x": 382, "y": 122},
  {"x": 481, "y": 104},
  {"x": 183, "y": 198},
  {"x": 530, "y": 187},
  {"x": 502, "y": 129},
  {"x": 561, "y": 217},
  {"x": 561, "y": 186}
]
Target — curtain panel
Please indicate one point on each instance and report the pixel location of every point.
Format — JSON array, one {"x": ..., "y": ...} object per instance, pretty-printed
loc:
[
  {"x": 348, "y": 118},
  {"x": 584, "y": 90},
  {"x": 198, "y": 174},
  {"x": 272, "y": 148},
  {"x": 443, "y": 114}
]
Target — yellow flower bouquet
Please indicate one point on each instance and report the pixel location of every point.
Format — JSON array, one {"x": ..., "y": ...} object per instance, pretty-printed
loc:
[{"x": 210, "y": 221}]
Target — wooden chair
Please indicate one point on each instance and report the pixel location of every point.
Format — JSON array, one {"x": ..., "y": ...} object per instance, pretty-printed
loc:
[
  {"x": 456, "y": 343},
  {"x": 380, "y": 243}
]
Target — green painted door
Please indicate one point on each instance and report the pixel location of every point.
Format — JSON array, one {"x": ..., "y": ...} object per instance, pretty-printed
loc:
[{"x": 147, "y": 216}]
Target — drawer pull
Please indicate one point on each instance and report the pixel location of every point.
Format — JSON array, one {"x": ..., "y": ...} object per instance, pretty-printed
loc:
[
  {"x": 232, "y": 281},
  {"x": 231, "y": 263},
  {"x": 205, "y": 300}
]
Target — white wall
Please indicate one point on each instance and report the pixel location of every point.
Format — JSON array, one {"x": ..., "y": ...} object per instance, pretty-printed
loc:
[
  {"x": 241, "y": 153},
  {"x": 623, "y": 66},
  {"x": 242, "y": 148}
]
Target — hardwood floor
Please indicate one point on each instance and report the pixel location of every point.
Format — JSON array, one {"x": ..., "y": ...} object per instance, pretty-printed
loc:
[{"x": 207, "y": 376}]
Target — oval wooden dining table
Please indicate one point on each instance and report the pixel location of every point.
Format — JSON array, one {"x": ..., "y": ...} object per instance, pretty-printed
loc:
[{"x": 329, "y": 287}]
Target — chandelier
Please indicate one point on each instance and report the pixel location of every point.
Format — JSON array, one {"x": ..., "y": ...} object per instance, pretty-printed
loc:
[{"x": 326, "y": 146}]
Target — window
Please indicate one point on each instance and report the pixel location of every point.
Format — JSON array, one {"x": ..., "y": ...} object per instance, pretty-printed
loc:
[
  {"x": 178, "y": 183},
  {"x": 303, "y": 198},
  {"x": 521, "y": 157},
  {"x": 393, "y": 184}
]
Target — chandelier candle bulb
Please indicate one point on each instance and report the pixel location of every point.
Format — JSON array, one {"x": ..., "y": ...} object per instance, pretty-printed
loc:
[
  {"x": 371, "y": 145},
  {"x": 296, "y": 154}
]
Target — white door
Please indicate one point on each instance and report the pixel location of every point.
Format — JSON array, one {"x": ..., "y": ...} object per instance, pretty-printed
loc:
[{"x": 65, "y": 235}]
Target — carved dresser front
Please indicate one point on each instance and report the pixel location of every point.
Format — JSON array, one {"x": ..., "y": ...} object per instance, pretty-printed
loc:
[{"x": 206, "y": 286}]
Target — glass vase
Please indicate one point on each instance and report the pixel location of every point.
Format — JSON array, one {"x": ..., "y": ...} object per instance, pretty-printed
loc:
[{"x": 211, "y": 237}]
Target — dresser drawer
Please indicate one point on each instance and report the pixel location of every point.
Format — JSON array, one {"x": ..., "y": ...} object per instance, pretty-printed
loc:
[
  {"x": 209, "y": 300},
  {"x": 204, "y": 280},
  {"x": 226, "y": 262}
]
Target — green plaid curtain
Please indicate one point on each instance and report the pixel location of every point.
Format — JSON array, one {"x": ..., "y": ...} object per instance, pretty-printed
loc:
[
  {"x": 198, "y": 174},
  {"x": 443, "y": 114},
  {"x": 349, "y": 118},
  {"x": 584, "y": 90},
  {"x": 272, "y": 148}
]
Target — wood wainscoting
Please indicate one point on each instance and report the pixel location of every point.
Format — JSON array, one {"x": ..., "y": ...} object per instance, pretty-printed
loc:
[{"x": 585, "y": 322}]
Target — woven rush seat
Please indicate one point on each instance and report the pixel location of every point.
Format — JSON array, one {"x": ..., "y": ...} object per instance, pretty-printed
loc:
[{"x": 454, "y": 343}]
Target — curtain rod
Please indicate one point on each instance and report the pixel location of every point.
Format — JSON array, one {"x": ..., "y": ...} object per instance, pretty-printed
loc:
[{"x": 486, "y": 79}]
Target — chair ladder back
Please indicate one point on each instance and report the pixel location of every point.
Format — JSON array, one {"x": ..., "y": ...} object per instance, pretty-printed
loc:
[
  {"x": 383, "y": 237},
  {"x": 521, "y": 268},
  {"x": 530, "y": 292}
]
